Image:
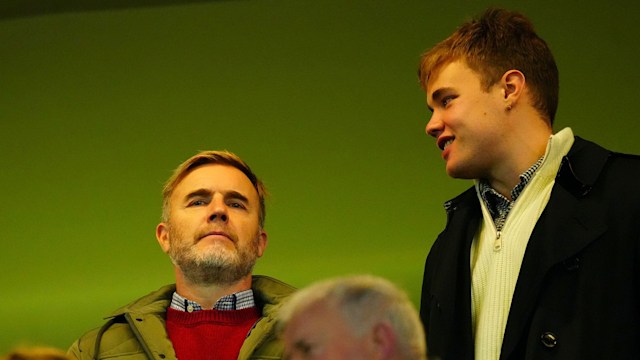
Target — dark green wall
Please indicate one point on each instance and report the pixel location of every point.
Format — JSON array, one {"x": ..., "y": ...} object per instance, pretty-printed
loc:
[{"x": 319, "y": 97}]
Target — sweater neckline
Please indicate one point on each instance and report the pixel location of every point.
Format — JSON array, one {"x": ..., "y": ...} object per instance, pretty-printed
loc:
[{"x": 220, "y": 316}]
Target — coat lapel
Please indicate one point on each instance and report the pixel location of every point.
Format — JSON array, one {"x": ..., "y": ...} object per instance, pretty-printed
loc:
[{"x": 451, "y": 286}]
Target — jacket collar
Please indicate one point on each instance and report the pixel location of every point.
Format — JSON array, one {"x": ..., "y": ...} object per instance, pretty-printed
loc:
[
  {"x": 581, "y": 167},
  {"x": 155, "y": 302}
]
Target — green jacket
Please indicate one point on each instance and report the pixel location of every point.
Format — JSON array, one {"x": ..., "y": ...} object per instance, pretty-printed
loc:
[{"x": 138, "y": 331}]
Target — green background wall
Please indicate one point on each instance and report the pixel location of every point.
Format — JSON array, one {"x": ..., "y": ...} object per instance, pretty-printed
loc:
[{"x": 319, "y": 97}]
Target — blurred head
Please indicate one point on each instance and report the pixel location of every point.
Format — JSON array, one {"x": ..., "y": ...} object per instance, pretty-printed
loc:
[
  {"x": 496, "y": 42},
  {"x": 214, "y": 211},
  {"x": 357, "y": 317},
  {"x": 36, "y": 353}
]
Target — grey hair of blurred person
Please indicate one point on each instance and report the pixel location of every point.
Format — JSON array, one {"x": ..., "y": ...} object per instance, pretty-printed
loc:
[{"x": 363, "y": 302}]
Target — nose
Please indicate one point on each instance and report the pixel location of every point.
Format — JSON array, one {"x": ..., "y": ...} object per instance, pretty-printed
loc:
[
  {"x": 435, "y": 126},
  {"x": 218, "y": 210}
]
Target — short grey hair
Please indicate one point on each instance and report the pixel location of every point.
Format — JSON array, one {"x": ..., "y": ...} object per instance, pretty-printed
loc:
[{"x": 363, "y": 301}]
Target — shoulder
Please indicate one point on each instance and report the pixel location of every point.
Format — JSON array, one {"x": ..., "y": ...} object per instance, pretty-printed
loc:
[
  {"x": 585, "y": 149},
  {"x": 593, "y": 173},
  {"x": 270, "y": 290},
  {"x": 116, "y": 337},
  {"x": 154, "y": 302},
  {"x": 587, "y": 157}
]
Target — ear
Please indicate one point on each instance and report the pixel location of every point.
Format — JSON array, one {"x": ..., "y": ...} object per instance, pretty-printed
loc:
[
  {"x": 162, "y": 234},
  {"x": 262, "y": 242},
  {"x": 513, "y": 85},
  {"x": 384, "y": 340}
]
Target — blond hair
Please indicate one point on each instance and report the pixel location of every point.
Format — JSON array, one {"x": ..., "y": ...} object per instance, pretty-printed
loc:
[{"x": 497, "y": 41}]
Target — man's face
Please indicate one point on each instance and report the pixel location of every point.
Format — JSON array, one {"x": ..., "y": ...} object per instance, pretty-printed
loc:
[
  {"x": 467, "y": 121},
  {"x": 320, "y": 332},
  {"x": 213, "y": 234}
]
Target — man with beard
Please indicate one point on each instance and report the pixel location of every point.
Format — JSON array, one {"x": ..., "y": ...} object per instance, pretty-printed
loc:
[{"x": 212, "y": 229}]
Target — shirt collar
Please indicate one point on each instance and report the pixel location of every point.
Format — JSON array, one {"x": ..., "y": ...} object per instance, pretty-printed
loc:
[
  {"x": 236, "y": 301},
  {"x": 498, "y": 203}
]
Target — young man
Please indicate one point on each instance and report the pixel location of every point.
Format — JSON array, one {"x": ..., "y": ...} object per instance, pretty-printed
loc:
[
  {"x": 212, "y": 229},
  {"x": 351, "y": 318},
  {"x": 541, "y": 257}
]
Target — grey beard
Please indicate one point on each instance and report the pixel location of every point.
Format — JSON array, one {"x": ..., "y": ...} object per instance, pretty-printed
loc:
[{"x": 215, "y": 271}]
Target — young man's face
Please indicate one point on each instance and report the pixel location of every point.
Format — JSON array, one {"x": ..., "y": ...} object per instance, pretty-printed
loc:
[
  {"x": 467, "y": 121},
  {"x": 213, "y": 234}
]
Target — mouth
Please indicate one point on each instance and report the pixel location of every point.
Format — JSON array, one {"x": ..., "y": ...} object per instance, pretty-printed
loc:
[
  {"x": 216, "y": 234},
  {"x": 444, "y": 142}
]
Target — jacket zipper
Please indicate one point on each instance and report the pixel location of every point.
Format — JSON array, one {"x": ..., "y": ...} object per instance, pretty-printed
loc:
[{"x": 497, "y": 243}]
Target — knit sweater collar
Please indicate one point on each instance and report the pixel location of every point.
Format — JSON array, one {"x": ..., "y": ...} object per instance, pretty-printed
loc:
[
  {"x": 557, "y": 146},
  {"x": 223, "y": 317}
]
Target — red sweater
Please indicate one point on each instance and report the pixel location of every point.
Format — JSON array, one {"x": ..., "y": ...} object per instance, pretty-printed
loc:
[{"x": 210, "y": 334}]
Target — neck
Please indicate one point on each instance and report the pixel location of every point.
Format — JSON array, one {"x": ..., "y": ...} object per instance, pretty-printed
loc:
[
  {"x": 528, "y": 144},
  {"x": 208, "y": 294}
]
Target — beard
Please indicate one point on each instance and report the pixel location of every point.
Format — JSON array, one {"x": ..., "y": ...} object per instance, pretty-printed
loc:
[{"x": 217, "y": 265}]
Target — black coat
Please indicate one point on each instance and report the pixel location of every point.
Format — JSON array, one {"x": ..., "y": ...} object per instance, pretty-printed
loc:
[{"x": 578, "y": 291}]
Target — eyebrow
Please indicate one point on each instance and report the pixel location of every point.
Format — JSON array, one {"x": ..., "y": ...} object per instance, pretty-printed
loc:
[
  {"x": 197, "y": 193},
  {"x": 235, "y": 195},
  {"x": 438, "y": 94}
]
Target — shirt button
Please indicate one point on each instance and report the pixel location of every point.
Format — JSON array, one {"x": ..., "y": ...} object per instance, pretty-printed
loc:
[
  {"x": 190, "y": 308},
  {"x": 549, "y": 340}
]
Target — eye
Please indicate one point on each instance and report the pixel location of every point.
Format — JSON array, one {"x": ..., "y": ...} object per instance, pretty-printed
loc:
[
  {"x": 197, "y": 202},
  {"x": 305, "y": 349},
  {"x": 447, "y": 99},
  {"x": 237, "y": 205},
  {"x": 302, "y": 349}
]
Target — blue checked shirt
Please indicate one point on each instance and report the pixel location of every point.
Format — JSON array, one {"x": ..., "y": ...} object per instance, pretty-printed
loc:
[
  {"x": 237, "y": 301},
  {"x": 498, "y": 205}
]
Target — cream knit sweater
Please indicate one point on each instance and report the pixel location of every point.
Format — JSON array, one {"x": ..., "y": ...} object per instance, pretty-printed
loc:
[{"x": 496, "y": 256}]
